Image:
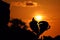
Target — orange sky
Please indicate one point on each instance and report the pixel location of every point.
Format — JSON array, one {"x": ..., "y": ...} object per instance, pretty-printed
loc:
[{"x": 50, "y": 9}]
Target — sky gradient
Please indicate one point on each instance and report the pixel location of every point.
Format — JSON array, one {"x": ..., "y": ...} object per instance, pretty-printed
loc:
[{"x": 50, "y": 9}]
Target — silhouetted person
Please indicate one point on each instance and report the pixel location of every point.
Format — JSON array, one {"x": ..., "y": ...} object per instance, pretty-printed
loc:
[
  {"x": 33, "y": 25},
  {"x": 43, "y": 26},
  {"x": 4, "y": 14}
]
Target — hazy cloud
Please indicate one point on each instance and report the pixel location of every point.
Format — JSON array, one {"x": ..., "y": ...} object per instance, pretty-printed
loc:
[{"x": 25, "y": 4}]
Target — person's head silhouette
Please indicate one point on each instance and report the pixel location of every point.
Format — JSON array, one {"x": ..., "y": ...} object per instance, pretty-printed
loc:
[
  {"x": 33, "y": 19},
  {"x": 43, "y": 26},
  {"x": 33, "y": 25}
]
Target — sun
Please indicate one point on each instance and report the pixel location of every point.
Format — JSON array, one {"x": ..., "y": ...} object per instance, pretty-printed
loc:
[{"x": 38, "y": 18}]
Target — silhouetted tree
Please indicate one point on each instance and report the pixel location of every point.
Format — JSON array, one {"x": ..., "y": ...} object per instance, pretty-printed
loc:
[
  {"x": 15, "y": 25},
  {"x": 20, "y": 33},
  {"x": 4, "y": 15},
  {"x": 57, "y": 37},
  {"x": 47, "y": 38}
]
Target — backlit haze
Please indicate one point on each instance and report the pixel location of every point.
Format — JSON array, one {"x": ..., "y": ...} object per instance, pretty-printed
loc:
[{"x": 48, "y": 10}]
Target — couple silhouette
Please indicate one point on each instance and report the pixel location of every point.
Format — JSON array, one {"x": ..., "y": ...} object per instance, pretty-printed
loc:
[{"x": 39, "y": 27}]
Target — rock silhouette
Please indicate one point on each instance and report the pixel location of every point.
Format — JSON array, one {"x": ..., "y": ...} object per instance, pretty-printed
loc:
[{"x": 4, "y": 15}]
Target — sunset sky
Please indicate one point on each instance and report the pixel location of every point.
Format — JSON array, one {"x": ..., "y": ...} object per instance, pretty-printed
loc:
[{"x": 49, "y": 9}]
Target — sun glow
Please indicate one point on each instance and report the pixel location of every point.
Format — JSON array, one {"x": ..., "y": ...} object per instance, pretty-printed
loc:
[{"x": 38, "y": 18}]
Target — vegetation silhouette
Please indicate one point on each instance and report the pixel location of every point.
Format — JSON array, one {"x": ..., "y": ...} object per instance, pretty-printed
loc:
[
  {"x": 57, "y": 37},
  {"x": 47, "y": 38},
  {"x": 19, "y": 29},
  {"x": 16, "y": 24}
]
